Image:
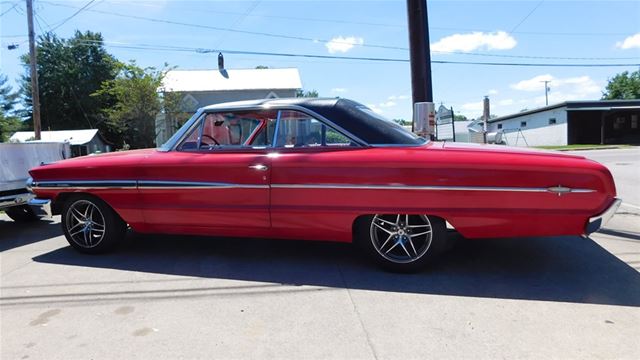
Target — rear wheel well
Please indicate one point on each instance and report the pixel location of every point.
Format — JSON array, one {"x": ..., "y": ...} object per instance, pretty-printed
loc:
[{"x": 366, "y": 217}]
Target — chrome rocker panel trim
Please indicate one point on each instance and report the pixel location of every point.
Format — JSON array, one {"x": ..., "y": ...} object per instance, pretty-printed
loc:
[
  {"x": 162, "y": 184},
  {"x": 431, "y": 187}
]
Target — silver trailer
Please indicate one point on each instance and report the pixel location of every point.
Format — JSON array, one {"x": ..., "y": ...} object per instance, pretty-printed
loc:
[{"x": 15, "y": 161}]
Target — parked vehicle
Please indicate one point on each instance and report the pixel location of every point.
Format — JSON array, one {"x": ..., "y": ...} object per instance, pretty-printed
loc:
[
  {"x": 323, "y": 169},
  {"x": 16, "y": 159}
]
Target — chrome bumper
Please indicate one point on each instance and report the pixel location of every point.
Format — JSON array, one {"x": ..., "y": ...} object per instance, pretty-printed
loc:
[
  {"x": 596, "y": 222},
  {"x": 45, "y": 205},
  {"x": 15, "y": 200}
]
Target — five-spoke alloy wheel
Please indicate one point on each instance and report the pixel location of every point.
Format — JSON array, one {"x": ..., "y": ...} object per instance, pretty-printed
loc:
[
  {"x": 401, "y": 242},
  {"x": 90, "y": 225}
]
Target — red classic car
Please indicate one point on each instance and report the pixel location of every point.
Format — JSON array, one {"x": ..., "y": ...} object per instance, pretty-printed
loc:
[{"x": 323, "y": 169}]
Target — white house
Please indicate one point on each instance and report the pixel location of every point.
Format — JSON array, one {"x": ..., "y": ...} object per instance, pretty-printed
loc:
[
  {"x": 200, "y": 88},
  {"x": 82, "y": 142}
]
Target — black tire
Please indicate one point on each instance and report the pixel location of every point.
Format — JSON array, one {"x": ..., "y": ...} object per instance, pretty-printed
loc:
[
  {"x": 420, "y": 250},
  {"x": 22, "y": 213},
  {"x": 101, "y": 228}
]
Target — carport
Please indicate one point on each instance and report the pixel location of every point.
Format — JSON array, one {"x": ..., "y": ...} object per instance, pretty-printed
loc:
[{"x": 603, "y": 122}]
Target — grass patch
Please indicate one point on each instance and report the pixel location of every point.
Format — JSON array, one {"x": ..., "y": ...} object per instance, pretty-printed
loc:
[{"x": 583, "y": 147}]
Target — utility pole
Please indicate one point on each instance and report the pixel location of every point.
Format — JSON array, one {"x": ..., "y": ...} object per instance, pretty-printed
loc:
[
  {"x": 420, "y": 55},
  {"x": 35, "y": 91},
  {"x": 546, "y": 91}
]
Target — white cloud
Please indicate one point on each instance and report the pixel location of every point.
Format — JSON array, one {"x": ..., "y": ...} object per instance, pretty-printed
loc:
[
  {"x": 476, "y": 40},
  {"x": 561, "y": 89},
  {"x": 398, "y": 97},
  {"x": 338, "y": 90},
  {"x": 473, "y": 106},
  {"x": 506, "y": 102},
  {"x": 375, "y": 109},
  {"x": 389, "y": 103},
  {"x": 493, "y": 92},
  {"x": 533, "y": 84},
  {"x": 343, "y": 44},
  {"x": 630, "y": 42},
  {"x": 580, "y": 87}
]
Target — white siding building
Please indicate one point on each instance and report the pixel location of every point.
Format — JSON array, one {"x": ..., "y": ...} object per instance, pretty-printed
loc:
[{"x": 572, "y": 122}]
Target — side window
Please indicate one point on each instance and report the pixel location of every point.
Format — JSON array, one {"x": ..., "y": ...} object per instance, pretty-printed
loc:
[
  {"x": 226, "y": 130},
  {"x": 298, "y": 129}
]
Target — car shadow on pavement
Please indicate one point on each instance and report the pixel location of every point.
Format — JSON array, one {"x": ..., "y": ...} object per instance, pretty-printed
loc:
[
  {"x": 567, "y": 269},
  {"x": 15, "y": 234}
]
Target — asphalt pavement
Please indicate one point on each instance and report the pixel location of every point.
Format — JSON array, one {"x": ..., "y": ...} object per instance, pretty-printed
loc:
[
  {"x": 172, "y": 297},
  {"x": 624, "y": 164}
]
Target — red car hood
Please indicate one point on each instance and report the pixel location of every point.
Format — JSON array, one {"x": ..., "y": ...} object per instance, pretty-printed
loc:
[{"x": 501, "y": 149}]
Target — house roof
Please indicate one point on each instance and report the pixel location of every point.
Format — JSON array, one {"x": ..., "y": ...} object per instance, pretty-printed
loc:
[
  {"x": 73, "y": 137},
  {"x": 589, "y": 105},
  {"x": 231, "y": 79}
]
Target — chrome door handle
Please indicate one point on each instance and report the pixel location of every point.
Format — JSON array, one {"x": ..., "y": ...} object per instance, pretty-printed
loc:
[{"x": 259, "y": 167}]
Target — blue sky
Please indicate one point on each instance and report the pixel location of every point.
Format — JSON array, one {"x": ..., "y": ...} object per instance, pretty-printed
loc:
[{"x": 563, "y": 32}]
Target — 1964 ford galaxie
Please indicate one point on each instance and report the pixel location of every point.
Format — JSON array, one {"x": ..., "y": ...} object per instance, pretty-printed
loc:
[{"x": 323, "y": 169}]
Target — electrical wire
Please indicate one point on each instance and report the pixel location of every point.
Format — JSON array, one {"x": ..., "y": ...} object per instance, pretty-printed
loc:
[
  {"x": 73, "y": 15},
  {"x": 9, "y": 9},
  {"x": 201, "y": 26},
  {"x": 339, "y": 21},
  {"x": 526, "y": 17},
  {"x": 332, "y": 57}
]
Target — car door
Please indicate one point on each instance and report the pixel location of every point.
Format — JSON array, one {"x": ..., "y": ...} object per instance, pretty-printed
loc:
[
  {"x": 309, "y": 158},
  {"x": 216, "y": 180}
]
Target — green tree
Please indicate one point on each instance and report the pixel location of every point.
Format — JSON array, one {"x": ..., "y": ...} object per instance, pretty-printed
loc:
[
  {"x": 309, "y": 94},
  {"x": 457, "y": 117},
  {"x": 69, "y": 71},
  {"x": 402, "y": 121},
  {"x": 9, "y": 122},
  {"x": 261, "y": 67},
  {"x": 136, "y": 106},
  {"x": 623, "y": 86}
]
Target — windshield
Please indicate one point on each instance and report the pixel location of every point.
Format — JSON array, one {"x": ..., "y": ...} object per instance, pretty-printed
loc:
[{"x": 168, "y": 145}]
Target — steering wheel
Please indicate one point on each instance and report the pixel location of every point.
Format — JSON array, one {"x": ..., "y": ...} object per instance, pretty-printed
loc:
[{"x": 210, "y": 137}]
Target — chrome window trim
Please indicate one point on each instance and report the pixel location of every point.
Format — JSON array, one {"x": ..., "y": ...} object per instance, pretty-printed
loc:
[
  {"x": 179, "y": 135},
  {"x": 276, "y": 131},
  {"x": 178, "y": 139}
]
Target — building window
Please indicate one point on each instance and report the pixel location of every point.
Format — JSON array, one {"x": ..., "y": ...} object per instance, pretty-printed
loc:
[
  {"x": 552, "y": 121},
  {"x": 634, "y": 121},
  {"x": 523, "y": 123},
  {"x": 499, "y": 126}
]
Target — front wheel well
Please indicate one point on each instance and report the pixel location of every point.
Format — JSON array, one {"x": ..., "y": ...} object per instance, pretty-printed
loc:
[{"x": 58, "y": 203}]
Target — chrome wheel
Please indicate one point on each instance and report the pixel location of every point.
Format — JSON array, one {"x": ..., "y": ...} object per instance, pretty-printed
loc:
[
  {"x": 401, "y": 238},
  {"x": 85, "y": 224}
]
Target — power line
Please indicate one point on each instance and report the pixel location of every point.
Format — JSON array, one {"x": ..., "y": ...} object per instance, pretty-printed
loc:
[
  {"x": 327, "y": 41},
  {"x": 73, "y": 15},
  {"x": 339, "y": 21},
  {"x": 9, "y": 9},
  {"x": 526, "y": 17},
  {"x": 396, "y": 60},
  {"x": 218, "y": 28}
]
